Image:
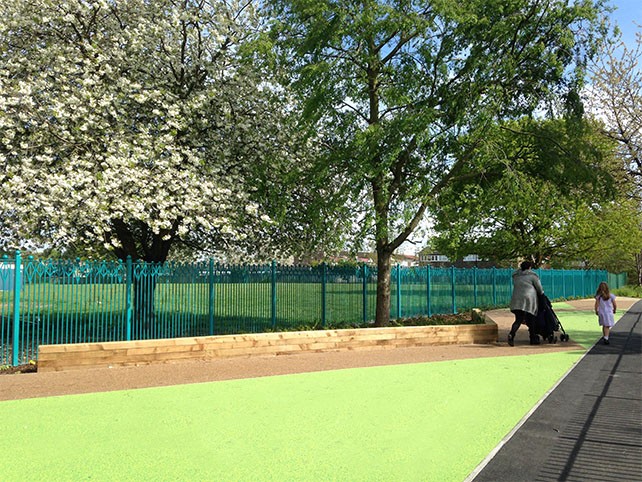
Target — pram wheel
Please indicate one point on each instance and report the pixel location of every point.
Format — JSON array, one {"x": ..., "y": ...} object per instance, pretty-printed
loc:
[{"x": 564, "y": 337}]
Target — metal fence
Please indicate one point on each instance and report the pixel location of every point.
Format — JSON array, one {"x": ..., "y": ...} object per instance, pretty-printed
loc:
[{"x": 71, "y": 301}]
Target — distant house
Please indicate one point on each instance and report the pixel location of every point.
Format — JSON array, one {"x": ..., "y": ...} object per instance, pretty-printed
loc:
[
  {"x": 405, "y": 259},
  {"x": 438, "y": 260},
  {"x": 433, "y": 259}
]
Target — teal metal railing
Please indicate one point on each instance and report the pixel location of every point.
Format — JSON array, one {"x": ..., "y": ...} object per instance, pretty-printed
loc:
[{"x": 72, "y": 301}]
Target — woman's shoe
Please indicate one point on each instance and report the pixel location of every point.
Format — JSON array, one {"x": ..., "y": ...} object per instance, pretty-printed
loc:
[{"x": 511, "y": 339}]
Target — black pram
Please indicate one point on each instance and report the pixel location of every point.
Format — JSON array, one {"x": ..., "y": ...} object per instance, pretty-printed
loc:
[{"x": 547, "y": 322}]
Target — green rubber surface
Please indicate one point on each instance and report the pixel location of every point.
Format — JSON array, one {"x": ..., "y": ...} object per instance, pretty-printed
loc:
[{"x": 428, "y": 421}]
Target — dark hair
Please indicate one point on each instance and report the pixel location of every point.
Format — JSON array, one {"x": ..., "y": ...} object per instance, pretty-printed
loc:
[{"x": 526, "y": 265}]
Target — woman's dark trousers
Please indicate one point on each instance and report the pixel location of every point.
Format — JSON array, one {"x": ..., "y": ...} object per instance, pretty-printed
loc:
[{"x": 524, "y": 318}]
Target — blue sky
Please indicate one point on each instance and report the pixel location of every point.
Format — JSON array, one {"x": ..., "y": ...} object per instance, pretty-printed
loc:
[{"x": 627, "y": 12}]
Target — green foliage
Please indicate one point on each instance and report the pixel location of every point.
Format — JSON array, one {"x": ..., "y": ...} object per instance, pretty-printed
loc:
[
  {"x": 394, "y": 89},
  {"x": 608, "y": 236},
  {"x": 134, "y": 127},
  {"x": 632, "y": 291},
  {"x": 545, "y": 186},
  {"x": 616, "y": 99}
]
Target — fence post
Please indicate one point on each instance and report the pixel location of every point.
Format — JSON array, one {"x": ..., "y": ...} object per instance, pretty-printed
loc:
[
  {"x": 273, "y": 310},
  {"x": 571, "y": 288},
  {"x": 475, "y": 286},
  {"x": 452, "y": 283},
  {"x": 211, "y": 297},
  {"x": 398, "y": 290},
  {"x": 324, "y": 281},
  {"x": 494, "y": 286},
  {"x": 428, "y": 283},
  {"x": 16, "y": 310},
  {"x": 128, "y": 297},
  {"x": 563, "y": 284},
  {"x": 365, "y": 293}
]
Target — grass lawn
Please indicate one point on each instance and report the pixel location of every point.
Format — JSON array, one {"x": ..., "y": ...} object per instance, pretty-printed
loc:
[{"x": 428, "y": 421}]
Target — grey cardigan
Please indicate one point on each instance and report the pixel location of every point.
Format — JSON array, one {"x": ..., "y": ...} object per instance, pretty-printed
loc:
[{"x": 526, "y": 287}]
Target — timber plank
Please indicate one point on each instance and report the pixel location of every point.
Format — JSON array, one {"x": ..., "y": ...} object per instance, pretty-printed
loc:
[{"x": 144, "y": 352}]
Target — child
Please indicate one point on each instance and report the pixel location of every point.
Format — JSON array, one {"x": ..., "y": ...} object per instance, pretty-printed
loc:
[{"x": 605, "y": 307}]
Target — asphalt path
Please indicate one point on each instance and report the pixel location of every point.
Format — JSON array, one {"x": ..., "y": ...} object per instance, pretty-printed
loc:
[{"x": 589, "y": 427}]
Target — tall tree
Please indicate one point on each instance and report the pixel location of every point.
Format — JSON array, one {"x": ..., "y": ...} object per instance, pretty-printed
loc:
[
  {"x": 546, "y": 187},
  {"x": 393, "y": 85},
  {"x": 606, "y": 236},
  {"x": 136, "y": 125},
  {"x": 615, "y": 97}
]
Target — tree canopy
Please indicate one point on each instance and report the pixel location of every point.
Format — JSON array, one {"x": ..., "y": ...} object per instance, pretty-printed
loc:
[
  {"x": 545, "y": 195},
  {"x": 615, "y": 99},
  {"x": 135, "y": 125},
  {"x": 403, "y": 91}
]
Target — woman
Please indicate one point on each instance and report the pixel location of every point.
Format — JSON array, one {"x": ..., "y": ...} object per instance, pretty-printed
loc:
[{"x": 523, "y": 303}]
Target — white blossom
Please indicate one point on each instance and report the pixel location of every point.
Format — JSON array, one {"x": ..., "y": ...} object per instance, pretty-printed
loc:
[{"x": 100, "y": 129}]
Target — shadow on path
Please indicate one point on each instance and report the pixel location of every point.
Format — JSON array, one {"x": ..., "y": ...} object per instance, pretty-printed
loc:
[{"x": 589, "y": 428}]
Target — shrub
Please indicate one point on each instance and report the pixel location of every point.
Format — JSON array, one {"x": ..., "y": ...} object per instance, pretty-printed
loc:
[{"x": 631, "y": 291}]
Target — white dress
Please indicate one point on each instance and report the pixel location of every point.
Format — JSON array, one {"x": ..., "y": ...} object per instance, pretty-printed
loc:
[{"x": 605, "y": 310}]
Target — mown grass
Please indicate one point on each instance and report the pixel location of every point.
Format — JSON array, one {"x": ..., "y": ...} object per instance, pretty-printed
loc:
[
  {"x": 72, "y": 311},
  {"x": 53, "y": 313},
  {"x": 236, "y": 306}
]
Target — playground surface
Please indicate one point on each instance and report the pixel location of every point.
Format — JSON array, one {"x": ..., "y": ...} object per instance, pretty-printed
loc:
[
  {"x": 588, "y": 427},
  {"x": 449, "y": 413}
]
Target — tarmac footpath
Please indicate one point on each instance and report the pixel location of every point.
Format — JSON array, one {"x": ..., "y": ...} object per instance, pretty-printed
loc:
[{"x": 589, "y": 427}]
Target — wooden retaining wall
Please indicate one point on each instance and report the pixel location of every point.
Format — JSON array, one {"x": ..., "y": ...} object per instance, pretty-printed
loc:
[{"x": 144, "y": 352}]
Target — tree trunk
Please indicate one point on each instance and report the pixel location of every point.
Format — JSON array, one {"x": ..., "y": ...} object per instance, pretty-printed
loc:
[
  {"x": 148, "y": 251},
  {"x": 638, "y": 266},
  {"x": 144, "y": 314},
  {"x": 382, "y": 316}
]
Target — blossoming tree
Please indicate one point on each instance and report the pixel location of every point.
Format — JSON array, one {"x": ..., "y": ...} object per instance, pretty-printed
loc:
[
  {"x": 132, "y": 125},
  {"x": 615, "y": 97},
  {"x": 136, "y": 126}
]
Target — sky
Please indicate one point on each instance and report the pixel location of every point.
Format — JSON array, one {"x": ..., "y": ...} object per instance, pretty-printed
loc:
[{"x": 626, "y": 15}]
